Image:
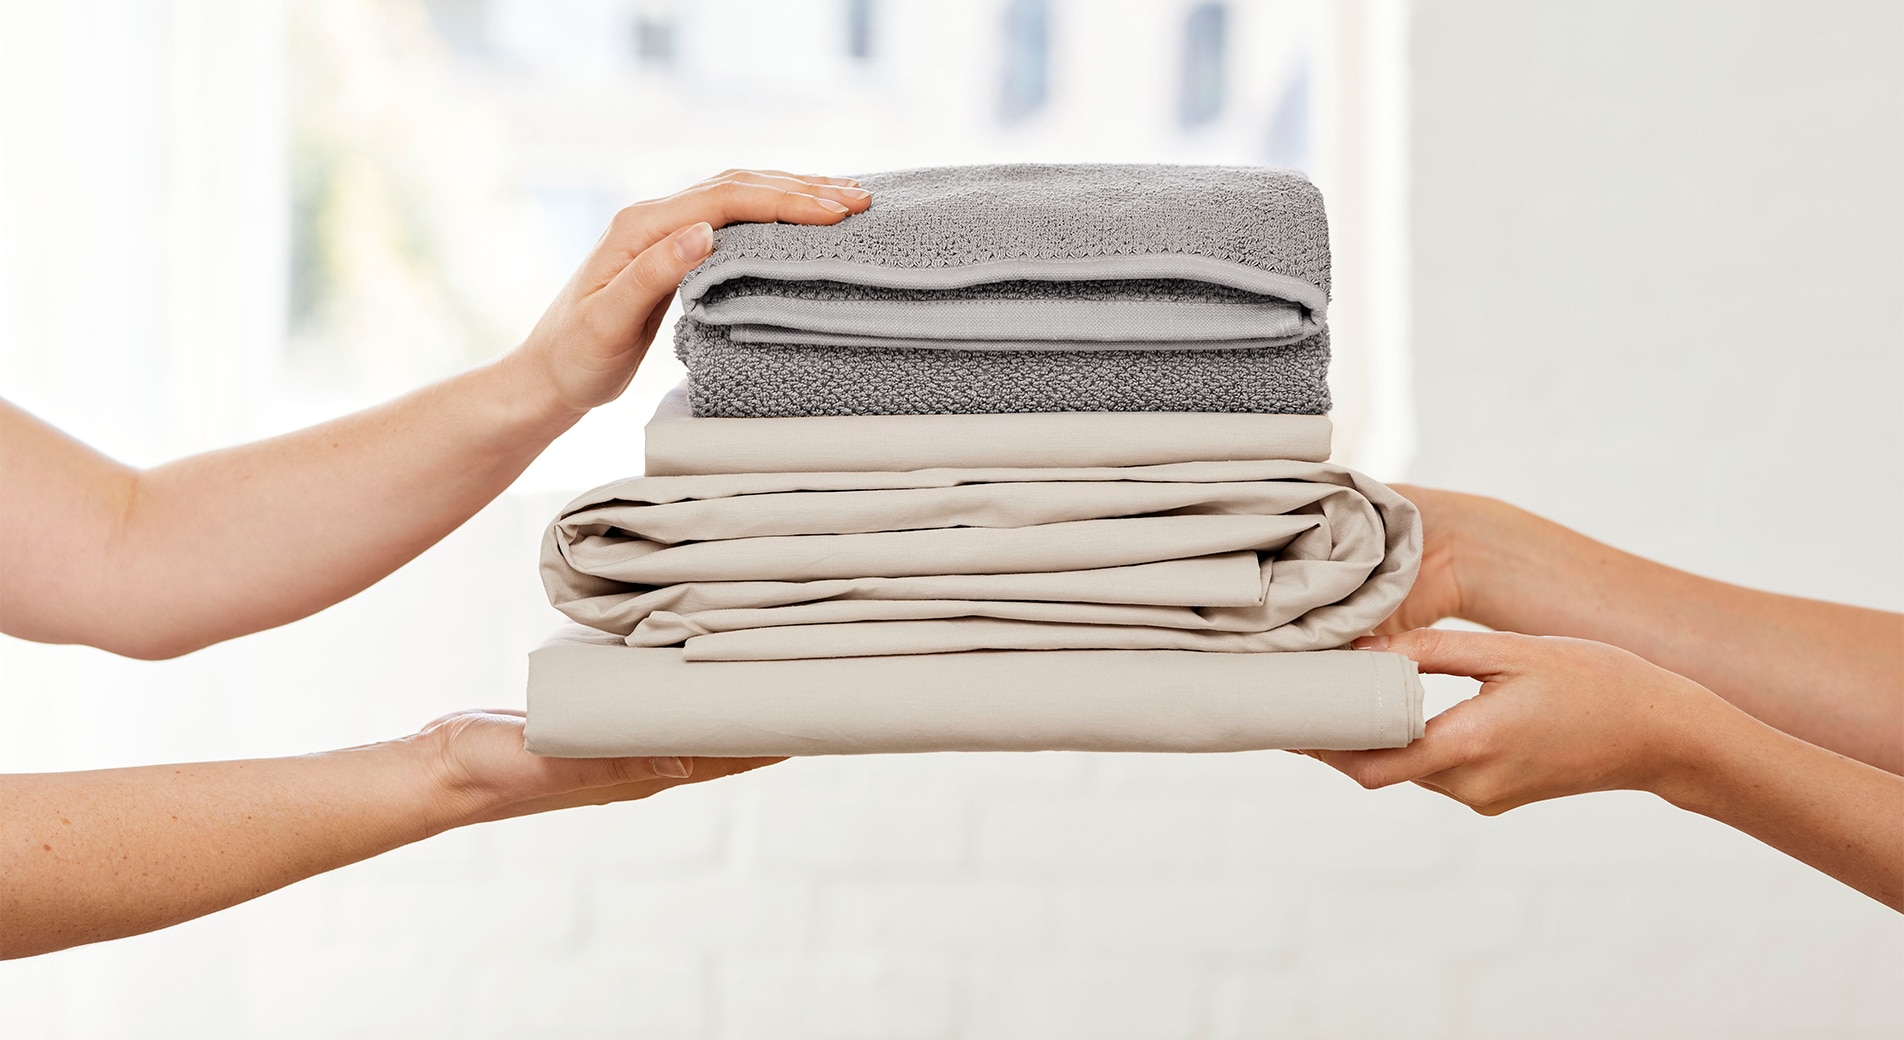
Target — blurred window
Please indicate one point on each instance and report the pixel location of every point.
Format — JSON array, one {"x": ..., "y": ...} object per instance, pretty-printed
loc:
[
  {"x": 1287, "y": 139},
  {"x": 1027, "y": 52},
  {"x": 859, "y": 29},
  {"x": 1202, "y": 92},
  {"x": 347, "y": 198},
  {"x": 654, "y": 35},
  {"x": 461, "y": 23}
]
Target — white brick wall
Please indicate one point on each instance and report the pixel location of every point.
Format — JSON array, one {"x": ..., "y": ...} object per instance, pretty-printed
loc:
[{"x": 1165, "y": 897}]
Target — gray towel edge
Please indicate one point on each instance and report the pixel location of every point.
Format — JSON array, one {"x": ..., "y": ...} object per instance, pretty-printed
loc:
[{"x": 1155, "y": 265}]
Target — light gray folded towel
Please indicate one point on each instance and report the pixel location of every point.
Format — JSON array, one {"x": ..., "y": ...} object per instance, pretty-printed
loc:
[
  {"x": 745, "y": 380},
  {"x": 1138, "y": 314},
  {"x": 1034, "y": 257}
]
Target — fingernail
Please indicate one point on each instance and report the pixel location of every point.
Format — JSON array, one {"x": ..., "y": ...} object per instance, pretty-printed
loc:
[
  {"x": 831, "y": 205},
  {"x": 671, "y": 767},
  {"x": 1371, "y": 643},
  {"x": 855, "y": 193},
  {"x": 693, "y": 245}
]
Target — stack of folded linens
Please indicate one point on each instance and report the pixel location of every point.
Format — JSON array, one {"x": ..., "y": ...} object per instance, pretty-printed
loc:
[{"x": 1021, "y": 458}]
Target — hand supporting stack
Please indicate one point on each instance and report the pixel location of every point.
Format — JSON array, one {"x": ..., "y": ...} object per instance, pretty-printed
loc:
[{"x": 1020, "y": 458}]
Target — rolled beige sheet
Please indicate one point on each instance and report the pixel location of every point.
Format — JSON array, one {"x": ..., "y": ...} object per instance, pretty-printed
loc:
[
  {"x": 1221, "y": 556},
  {"x": 590, "y": 695}
]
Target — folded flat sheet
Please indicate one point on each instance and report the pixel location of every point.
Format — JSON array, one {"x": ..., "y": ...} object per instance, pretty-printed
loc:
[
  {"x": 1239, "y": 556},
  {"x": 1034, "y": 257},
  {"x": 591, "y": 696},
  {"x": 749, "y": 380},
  {"x": 678, "y": 442}
]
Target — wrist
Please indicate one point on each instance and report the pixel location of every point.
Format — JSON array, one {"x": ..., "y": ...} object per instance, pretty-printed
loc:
[
  {"x": 1485, "y": 558},
  {"x": 1514, "y": 568},
  {"x": 447, "y": 798},
  {"x": 526, "y": 380},
  {"x": 1702, "y": 752}
]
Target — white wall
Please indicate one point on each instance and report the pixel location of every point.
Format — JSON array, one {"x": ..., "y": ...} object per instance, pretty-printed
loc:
[
  {"x": 142, "y": 213},
  {"x": 1675, "y": 164},
  {"x": 1659, "y": 295},
  {"x": 1659, "y": 261}
]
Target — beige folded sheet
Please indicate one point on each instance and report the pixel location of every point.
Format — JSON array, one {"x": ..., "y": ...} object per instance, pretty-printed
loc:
[
  {"x": 590, "y": 695},
  {"x": 679, "y": 443},
  {"x": 1232, "y": 556}
]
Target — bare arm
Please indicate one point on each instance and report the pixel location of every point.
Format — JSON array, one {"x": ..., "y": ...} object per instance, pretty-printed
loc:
[
  {"x": 162, "y": 562},
  {"x": 90, "y": 856},
  {"x": 1558, "y": 717},
  {"x": 1829, "y": 674}
]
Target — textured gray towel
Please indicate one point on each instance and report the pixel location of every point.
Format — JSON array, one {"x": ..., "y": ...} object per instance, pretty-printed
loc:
[
  {"x": 740, "y": 380},
  {"x": 1034, "y": 257},
  {"x": 676, "y": 442}
]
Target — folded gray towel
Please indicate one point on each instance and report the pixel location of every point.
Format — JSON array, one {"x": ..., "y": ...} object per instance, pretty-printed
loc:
[
  {"x": 1034, "y": 257},
  {"x": 1138, "y": 314},
  {"x": 741, "y": 380}
]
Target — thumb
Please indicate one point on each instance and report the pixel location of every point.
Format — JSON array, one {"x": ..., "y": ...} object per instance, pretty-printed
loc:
[
  {"x": 652, "y": 276},
  {"x": 587, "y": 773},
  {"x": 1441, "y": 747},
  {"x": 598, "y": 773},
  {"x": 1480, "y": 655}
]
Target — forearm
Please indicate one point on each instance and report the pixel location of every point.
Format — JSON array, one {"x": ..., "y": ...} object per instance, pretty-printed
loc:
[
  {"x": 247, "y": 538},
  {"x": 160, "y": 563},
  {"x": 1843, "y": 817},
  {"x": 1829, "y": 674},
  {"x": 89, "y": 856}
]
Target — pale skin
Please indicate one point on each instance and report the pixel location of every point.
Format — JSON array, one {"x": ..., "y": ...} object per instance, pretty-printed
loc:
[
  {"x": 1779, "y": 716},
  {"x": 160, "y": 562}
]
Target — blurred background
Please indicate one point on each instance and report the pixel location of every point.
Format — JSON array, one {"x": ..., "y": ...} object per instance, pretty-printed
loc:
[{"x": 1624, "y": 263}]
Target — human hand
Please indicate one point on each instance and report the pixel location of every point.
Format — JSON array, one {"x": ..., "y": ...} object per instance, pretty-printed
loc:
[
  {"x": 1487, "y": 561},
  {"x": 1554, "y": 717},
  {"x": 476, "y": 762},
  {"x": 585, "y": 348},
  {"x": 1438, "y": 591}
]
